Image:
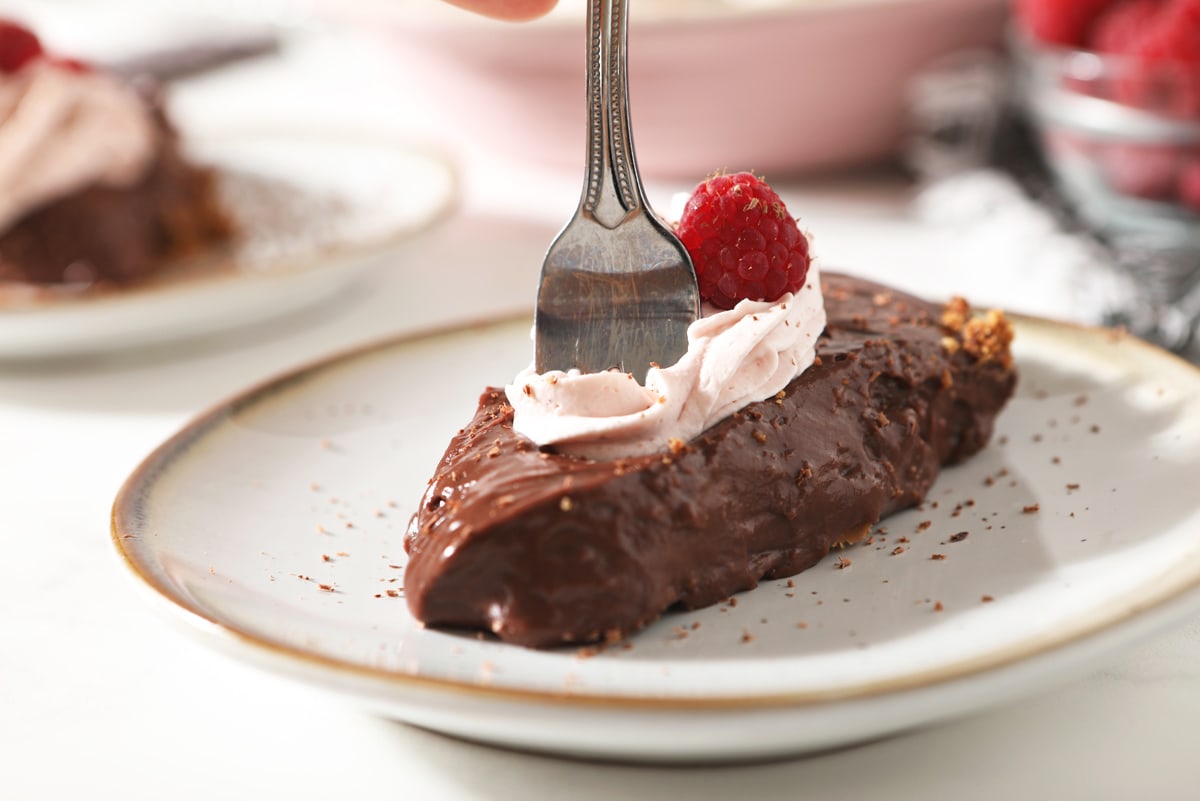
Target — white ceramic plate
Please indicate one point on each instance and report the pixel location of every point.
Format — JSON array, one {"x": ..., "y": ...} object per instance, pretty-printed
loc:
[
  {"x": 312, "y": 213},
  {"x": 272, "y": 528}
]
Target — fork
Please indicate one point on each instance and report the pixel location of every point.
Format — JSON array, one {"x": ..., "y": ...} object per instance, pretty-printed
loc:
[{"x": 617, "y": 287}]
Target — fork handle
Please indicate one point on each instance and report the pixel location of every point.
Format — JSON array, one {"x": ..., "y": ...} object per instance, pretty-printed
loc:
[{"x": 612, "y": 191}]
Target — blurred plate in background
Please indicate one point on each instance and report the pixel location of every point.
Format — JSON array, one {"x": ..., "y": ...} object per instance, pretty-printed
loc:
[{"x": 312, "y": 213}]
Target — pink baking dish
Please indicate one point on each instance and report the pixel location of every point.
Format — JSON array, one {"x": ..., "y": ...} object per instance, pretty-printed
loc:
[{"x": 777, "y": 87}]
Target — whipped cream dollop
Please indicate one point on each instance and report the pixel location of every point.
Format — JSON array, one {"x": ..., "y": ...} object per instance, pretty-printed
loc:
[
  {"x": 63, "y": 129},
  {"x": 734, "y": 358}
]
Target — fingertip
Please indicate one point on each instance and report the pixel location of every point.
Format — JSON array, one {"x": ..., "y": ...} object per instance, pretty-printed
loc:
[{"x": 508, "y": 10}]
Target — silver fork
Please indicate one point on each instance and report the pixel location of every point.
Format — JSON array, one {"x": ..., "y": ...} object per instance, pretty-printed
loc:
[{"x": 617, "y": 286}]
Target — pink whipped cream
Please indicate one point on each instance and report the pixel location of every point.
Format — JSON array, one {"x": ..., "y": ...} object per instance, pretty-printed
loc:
[
  {"x": 734, "y": 358},
  {"x": 62, "y": 130}
]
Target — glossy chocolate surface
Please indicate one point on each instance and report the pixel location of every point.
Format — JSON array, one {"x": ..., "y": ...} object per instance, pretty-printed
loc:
[{"x": 542, "y": 549}]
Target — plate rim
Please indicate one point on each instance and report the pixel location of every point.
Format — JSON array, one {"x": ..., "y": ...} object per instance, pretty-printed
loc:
[{"x": 1171, "y": 589}]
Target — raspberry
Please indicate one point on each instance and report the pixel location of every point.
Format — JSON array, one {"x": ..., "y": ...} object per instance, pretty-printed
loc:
[
  {"x": 1119, "y": 26},
  {"x": 1139, "y": 170},
  {"x": 1189, "y": 185},
  {"x": 1061, "y": 22},
  {"x": 1163, "y": 73},
  {"x": 742, "y": 241},
  {"x": 18, "y": 46}
]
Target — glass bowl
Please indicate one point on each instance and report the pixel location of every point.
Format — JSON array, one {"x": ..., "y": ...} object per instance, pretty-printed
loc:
[{"x": 1122, "y": 136}]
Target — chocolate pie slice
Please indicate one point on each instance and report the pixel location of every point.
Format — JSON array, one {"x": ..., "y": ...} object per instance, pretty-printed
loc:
[
  {"x": 94, "y": 189},
  {"x": 541, "y": 548}
]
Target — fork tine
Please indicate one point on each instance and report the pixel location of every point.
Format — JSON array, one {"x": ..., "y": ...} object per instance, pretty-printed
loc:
[{"x": 617, "y": 286}]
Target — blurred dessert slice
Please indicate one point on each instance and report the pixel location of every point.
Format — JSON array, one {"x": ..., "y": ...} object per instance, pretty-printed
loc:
[{"x": 93, "y": 187}]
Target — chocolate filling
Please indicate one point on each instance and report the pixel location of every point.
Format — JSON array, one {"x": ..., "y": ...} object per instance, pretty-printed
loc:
[
  {"x": 118, "y": 235},
  {"x": 542, "y": 549}
]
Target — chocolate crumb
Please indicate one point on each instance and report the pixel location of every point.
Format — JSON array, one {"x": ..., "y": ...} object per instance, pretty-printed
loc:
[
  {"x": 937, "y": 607},
  {"x": 842, "y": 563},
  {"x": 937, "y": 557},
  {"x": 959, "y": 537},
  {"x": 987, "y": 599},
  {"x": 1031, "y": 509},
  {"x": 988, "y": 338},
  {"x": 955, "y": 314}
]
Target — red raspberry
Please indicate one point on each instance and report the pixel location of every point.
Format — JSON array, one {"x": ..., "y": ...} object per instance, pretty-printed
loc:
[
  {"x": 742, "y": 241},
  {"x": 1060, "y": 22},
  {"x": 1120, "y": 25},
  {"x": 1145, "y": 171},
  {"x": 18, "y": 46},
  {"x": 1175, "y": 36},
  {"x": 1163, "y": 73},
  {"x": 1189, "y": 185}
]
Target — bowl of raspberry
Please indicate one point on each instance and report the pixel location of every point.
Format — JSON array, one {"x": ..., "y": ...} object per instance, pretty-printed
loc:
[{"x": 1112, "y": 88}]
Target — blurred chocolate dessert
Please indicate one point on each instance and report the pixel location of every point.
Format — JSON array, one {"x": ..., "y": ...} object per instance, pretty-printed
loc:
[{"x": 94, "y": 190}]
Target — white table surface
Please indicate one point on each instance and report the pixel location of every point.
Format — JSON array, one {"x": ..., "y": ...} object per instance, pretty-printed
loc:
[{"x": 99, "y": 699}]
